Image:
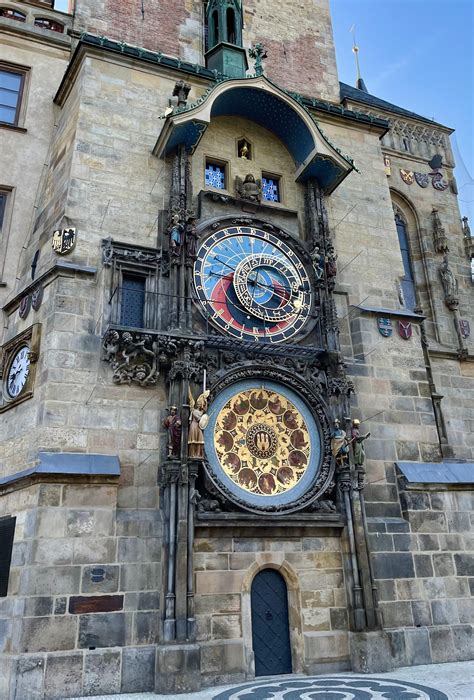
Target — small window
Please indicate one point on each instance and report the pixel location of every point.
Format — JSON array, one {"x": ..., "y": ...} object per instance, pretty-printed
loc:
[
  {"x": 230, "y": 16},
  {"x": 133, "y": 300},
  {"x": 49, "y": 24},
  {"x": 215, "y": 175},
  {"x": 12, "y": 14},
  {"x": 11, "y": 89},
  {"x": 7, "y": 533},
  {"x": 271, "y": 188}
]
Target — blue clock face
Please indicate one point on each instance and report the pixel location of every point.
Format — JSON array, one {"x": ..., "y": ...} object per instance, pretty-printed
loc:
[{"x": 252, "y": 285}]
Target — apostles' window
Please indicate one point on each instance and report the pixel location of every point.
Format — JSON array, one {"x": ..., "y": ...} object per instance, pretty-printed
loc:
[
  {"x": 271, "y": 188},
  {"x": 12, "y": 14},
  {"x": 11, "y": 90},
  {"x": 7, "y": 533},
  {"x": 408, "y": 281},
  {"x": 230, "y": 16},
  {"x": 132, "y": 303},
  {"x": 215, "y": 175}
]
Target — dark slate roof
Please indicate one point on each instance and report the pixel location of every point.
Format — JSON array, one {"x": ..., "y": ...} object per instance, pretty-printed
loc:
[{"x": 351, "y": 93}]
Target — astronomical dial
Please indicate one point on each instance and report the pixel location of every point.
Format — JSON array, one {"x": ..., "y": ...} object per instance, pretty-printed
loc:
[
  {"x": 18, "y": 372},
  {"x": 252, "y": 285}
]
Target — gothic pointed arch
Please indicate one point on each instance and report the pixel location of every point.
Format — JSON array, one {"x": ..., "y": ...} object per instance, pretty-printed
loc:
[
  {"x": 224, "y": 22},
  {"x": 408, "y": 230}
]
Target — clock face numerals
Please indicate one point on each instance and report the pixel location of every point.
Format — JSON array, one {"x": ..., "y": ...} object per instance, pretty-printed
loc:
[
  {"x": 18, "y": 372},
  {"x": 252, "y": 285}
]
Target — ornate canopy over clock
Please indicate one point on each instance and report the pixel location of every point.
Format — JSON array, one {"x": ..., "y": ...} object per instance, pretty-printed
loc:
[
  {"x": 252, "y": 285},
  {"x": 264, "y": 446}
]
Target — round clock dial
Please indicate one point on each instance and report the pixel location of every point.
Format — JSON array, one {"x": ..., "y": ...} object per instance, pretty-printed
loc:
[
  {"x": 252, "y": 285},
  {"x": 18, "y": 372},
  {"x": 263, "y": 443}
]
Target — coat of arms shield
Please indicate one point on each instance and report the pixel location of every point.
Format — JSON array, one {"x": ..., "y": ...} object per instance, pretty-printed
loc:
[
  {"x": 64, "y": 240},
  {"x": 385, "y": 327},
  {"x": 422, "y": 179},
  {"x": 465, "y": 328},
  {"x": 405, "y": 329},
  {"x": 407, "y": 176}
]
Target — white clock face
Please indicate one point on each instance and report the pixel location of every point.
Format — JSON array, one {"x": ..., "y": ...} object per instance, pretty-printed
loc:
[{"x": 18, "y": 372}]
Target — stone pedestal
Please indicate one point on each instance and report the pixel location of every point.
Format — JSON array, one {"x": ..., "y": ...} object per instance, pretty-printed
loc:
[
  {"x": 370, "y": 652},
  {"x": 178, "y": 668}
]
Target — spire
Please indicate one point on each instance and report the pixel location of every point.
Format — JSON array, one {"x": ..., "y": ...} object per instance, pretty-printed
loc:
[{"x": 360, "y": 85}]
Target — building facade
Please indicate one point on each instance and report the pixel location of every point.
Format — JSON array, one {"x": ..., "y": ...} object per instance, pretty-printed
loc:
[{"x": 237, "y": 391}]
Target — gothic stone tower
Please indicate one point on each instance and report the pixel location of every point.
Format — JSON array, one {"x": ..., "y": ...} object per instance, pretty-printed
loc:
[{"x": 191, "y": 292}]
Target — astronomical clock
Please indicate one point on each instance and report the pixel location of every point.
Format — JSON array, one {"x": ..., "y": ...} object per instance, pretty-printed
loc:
[{"x": 266, "y": 442}]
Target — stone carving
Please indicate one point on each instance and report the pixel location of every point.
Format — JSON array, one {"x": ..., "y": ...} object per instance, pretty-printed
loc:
[
  {"x": 181, "y": 92},
  {"x": 259, "y": 54},
  {"x": 249, "y": 189},
  {"x": 450, "y": 285},
  {"x": 136, "y": 358},
  {"x": 439, "y": 234},
  {"x": 468, "y": 240},
  {"x": 331, "y": 266},
  {"x": 358, "y": 443},
  {"x": 339, "y": 444},
  {"x": 173, "y": 425},
  {"x": 198, "y": 421},
  {"x": 318, "y": 261},
  {"x": 323, "y": 506},
  {"x": 114, "y": 251}
]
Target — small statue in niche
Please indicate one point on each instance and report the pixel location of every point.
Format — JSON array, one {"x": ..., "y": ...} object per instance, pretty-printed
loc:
[
  {"x": 198, "y": 421},
  {"x": 318, "y": 260},
  {"x": 339, "y": 444},
  {"x": 173, "y": 425},
  {"x": 331, "y": 262},
  {"x": 450, "y": 284},
  {"x": 244, "y": 150},
  {"x": 250, "y": 189},
  {"x": 191, "y": 238},
  {"x": 176, "y": 231},
  {"x": 358, "y": 443}
]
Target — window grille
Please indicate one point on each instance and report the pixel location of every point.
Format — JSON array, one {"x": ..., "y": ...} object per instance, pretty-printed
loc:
[
  {"x": 271, "y": 189},
  {"x": 215, "y": 176}
]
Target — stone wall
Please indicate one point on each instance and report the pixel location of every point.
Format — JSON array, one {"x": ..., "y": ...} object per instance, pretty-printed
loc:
[
  {"x": 312, "y": 566},
  {"x": 298, "y": 37},
  {"x": 26, "y": 150}
]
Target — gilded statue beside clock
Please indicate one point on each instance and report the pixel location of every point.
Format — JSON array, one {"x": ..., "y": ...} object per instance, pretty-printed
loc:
[{"x": 252, "y": 285}]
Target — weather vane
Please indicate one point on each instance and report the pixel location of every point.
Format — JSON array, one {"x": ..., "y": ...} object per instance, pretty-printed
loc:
[{"x": 360, "y": 85}]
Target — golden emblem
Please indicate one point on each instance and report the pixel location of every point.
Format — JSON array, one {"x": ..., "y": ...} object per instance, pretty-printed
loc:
[{"x": 262, "y": 442}]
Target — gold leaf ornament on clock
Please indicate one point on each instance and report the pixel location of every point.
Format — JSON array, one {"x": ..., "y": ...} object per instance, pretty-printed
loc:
[{"x": 262, "y": 442}]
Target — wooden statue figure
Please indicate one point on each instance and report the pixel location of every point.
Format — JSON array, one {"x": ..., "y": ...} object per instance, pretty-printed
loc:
[
  {"x": 358, "y": 443},
  {"x": 174, "y": 426},
  {"x": 339, "y": 444},
  {"x": 198, "y": 420},
  {"x": 176, "y": 231}
]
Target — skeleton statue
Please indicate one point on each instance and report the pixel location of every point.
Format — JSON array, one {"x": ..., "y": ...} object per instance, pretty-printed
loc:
[{"x": 198, "y": 421}]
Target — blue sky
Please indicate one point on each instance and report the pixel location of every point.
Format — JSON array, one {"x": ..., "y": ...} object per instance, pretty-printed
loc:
[{"x": 418, "y": 54}]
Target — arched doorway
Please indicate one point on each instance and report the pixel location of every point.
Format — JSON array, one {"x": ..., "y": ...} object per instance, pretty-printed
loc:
[{"x": 270, "y": 624}]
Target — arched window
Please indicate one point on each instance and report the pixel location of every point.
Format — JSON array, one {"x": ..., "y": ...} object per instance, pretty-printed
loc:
[
  {"x": 408, "y": 281},
  {"x": 49, "y": 24},
  {"x": 224, "y": 22},
  {"x": 230, "y": 16}
]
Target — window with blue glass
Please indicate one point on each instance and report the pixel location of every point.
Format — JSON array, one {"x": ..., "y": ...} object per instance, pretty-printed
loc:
[
  {"x": 408, "y": 281},
  {"x": 271, "y": 188},
  {"x": 215, "y": 175}
]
